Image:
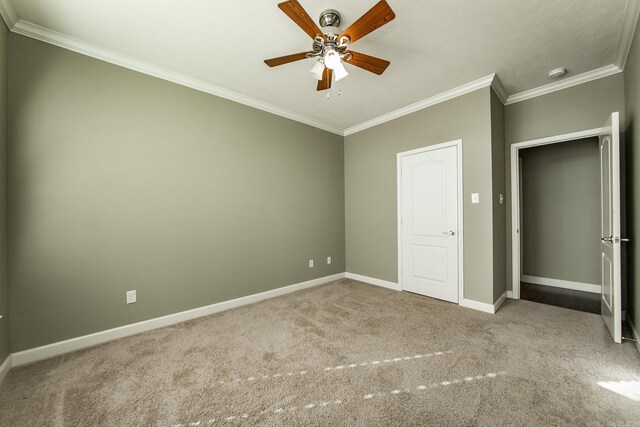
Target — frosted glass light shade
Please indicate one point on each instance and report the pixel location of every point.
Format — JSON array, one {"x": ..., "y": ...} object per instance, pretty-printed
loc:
[
  {"x": 317, "y": 70},
  {"x": 340, "y": 72},
  {"x": 332, "y": 59}
]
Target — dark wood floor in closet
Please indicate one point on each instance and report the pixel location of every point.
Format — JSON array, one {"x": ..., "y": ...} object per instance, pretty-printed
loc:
[{"x": 567, "y": 298}]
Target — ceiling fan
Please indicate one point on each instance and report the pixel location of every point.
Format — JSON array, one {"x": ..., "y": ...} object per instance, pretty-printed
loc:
[{"x": 330, "y": 43}]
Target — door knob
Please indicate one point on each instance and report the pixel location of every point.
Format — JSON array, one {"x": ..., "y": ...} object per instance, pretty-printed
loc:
[
  {"x": 607, "y": 239},
  {"x": 449, "y": 233}
]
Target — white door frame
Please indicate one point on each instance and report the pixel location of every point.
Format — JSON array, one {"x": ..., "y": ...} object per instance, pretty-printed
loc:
[
  {"x": 458, "y": 144},
  {"x": 515, "y": 195}
]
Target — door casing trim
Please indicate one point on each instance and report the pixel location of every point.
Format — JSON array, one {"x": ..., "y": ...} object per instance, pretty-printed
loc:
[{"x": 515, "y": 194}]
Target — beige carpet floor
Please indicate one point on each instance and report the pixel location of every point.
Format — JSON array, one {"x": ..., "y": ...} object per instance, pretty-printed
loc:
[{"x": 345, "y": 353}]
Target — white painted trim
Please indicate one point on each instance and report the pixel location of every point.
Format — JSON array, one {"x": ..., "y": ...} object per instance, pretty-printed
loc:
[
  {"x": 67, "y": 42},
  {"x": 510, "y": 294},
  {"x": 373, "y": 281},
  {"x": 476, "y": 305},
  {"x": 565, "y": 284},
  {"x": 636, "y": 335},
  {"x": 483, "y": 306},
  {"x": 5, "y": 368},
  {"x": 568, "y": 82},
  {"x": 499, "y": 89},
  {"x": 501, "y": 300},
  {"x": 61, "y": 347},
  {"x": 631, "y": 14},
  {"x": 37, "y": 32},
  {"x": 8, "y": 13},
  {"x": 560, "y": 138},
  {"x": 437, "y": 99},
  {"x": 19, "y": 26},
  {"x": 458, "y": 144},
  {"x": 516, "y": 273}
]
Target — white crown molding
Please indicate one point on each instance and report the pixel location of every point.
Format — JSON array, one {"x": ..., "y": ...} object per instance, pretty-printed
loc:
[
  {"x": 499, "y": 89},
  {"x": 589, "y": 76},
  {"x": 62, "y": 347},
  {"x": 437, "y": 99},
  {"x": 8, "y": 13},
  {"x": 64, "y": 41},
  {"x": 631, "y": 15}
]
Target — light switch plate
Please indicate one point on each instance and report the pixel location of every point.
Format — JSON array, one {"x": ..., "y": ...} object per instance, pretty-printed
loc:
[{"x": 475, "y": 198}]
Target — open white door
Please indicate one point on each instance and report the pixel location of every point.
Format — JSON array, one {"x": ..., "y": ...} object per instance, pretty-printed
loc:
[{"x": 611, "y": 240}]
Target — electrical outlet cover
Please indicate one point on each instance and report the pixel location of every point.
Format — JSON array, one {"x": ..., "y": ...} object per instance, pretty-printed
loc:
[{"x": 131, "y": 297}]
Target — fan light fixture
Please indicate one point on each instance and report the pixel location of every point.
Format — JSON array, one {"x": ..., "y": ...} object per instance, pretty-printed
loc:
[
  {"x": 317, "y": 70},
  {"x": 331, "y": 45},
  {"x": 340, "y": 72},
  {"x": 332, "y": 61}
]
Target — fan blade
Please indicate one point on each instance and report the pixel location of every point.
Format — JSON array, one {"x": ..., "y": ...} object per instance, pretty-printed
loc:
[
  {"x": 296, "y": 12},
  {"x": 375, "y": 18},
  {"x": 369, "y": 63},
  {"x": 325, "y": 83},
  {"x": 274, "y": 62}
]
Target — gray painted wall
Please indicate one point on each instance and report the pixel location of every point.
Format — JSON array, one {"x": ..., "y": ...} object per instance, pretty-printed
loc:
[
  {"x": 632, "y": 137},
  {"x": 371, "y": 188},
  {"x": 121, "y": 181},
  {"x": 4, "y": 285},
  {"x": 561, "y": 211},
  {"x": 577, "y": 108},
  {"x": 498, "y": 187}
]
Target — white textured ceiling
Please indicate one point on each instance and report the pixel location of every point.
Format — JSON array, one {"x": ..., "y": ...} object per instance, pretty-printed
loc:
[{"x": 433, "y": 45}]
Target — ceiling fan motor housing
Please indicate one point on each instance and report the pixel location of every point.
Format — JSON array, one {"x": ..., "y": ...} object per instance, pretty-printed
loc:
[{"x": 329, "y": 18}]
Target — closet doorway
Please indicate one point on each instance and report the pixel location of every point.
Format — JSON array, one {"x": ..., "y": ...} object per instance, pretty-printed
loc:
[
  {"x": 560, "y": 224},
  {"x": 566, "y": 222}
]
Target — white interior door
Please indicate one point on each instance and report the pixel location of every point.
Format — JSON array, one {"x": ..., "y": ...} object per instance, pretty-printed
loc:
[
  {"x": 429, "y": 223},
  {"x": 611, "y": 240}
]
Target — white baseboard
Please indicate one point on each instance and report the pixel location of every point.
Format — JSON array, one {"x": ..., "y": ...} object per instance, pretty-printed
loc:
[
  {"x": 510, "y": 294},
  {"x": 482, "y": 306},
  {"x": 636, "y": 335},
  {"x": 487, "y": 308},
  {"x": 5, "y": 367},
  {"x": 501, "y": 300},
  {"x": 58, "y": 348},
  {"x": 373, "y": 281},
  {"x": 476, "y": 305},
  {"x": 566, "y": 284}
]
